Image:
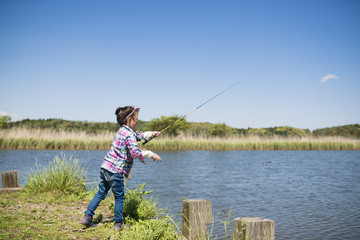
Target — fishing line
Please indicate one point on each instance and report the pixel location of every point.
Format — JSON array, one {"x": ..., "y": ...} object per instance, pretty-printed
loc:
[{"x": 181, "y": 118}]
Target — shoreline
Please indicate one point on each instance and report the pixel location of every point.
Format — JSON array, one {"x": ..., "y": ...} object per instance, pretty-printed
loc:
[{"x": 179, "y": 144}]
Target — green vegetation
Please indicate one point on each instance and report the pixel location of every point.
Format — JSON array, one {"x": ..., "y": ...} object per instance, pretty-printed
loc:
[
  {"x": 62, "y": 175},
  {"x": 62, "y": 134},
  {"x": 194, "y": 129},
  {"x": 159, "y": 124},
  {"x": 351, "y": 131},
  {"x": 136, "y": 208},
  {"x": 4, "y": 121},
  {"x": 43, "y": 212}
]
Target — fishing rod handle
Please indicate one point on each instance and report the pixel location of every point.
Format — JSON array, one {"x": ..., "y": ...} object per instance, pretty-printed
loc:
[{"x": 148, "y": 140}]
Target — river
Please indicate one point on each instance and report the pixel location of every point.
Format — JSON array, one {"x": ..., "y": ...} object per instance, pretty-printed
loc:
[{"x": 309, "y": 194}]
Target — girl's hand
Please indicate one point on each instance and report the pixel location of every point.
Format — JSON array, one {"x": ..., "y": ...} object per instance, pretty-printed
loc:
[
  {"x": 150, "y": 134},
  {"x": 155, "y": 134},
  {"x": 156, "y": 157}
]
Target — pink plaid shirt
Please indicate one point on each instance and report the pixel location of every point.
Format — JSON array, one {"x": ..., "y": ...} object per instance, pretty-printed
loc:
[{"x": 123, "y": 151}]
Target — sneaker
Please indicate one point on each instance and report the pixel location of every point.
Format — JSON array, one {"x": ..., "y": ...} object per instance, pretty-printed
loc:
[
  {"x": 119, "y": 226},
  {"x": 87, "y": 221}
]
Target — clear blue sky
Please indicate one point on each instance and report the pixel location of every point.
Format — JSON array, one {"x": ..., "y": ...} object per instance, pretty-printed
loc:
[{"x": 79, "y": 60}]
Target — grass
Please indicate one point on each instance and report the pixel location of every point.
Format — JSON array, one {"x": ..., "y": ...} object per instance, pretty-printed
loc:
[
  {"x": 22, "y": 138},
  {"x": 62, "y": 175},
  {"x": 52, "y": 204}
]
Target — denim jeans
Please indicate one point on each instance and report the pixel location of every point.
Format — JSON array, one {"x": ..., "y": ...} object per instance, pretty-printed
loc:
[{"x": 108, "y": 180}]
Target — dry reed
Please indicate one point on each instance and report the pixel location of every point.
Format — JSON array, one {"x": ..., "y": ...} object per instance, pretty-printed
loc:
[{"x": 22, "y": 138}]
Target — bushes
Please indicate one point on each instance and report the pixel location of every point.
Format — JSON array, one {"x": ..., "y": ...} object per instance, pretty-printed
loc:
[
  {"x": 139, "y": 208},
  {"x": 146, "y": 219},
  {"x": 62, "y": 175}
]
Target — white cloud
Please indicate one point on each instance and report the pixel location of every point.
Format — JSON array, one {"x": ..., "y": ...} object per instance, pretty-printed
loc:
[{"x": 328, "y": 77}]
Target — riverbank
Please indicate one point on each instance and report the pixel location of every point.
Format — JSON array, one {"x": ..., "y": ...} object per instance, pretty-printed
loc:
[
  {"x": 24, "y": 215},
  {"x": 27, "y": 139},
  {"x": 52, "y": 204}
]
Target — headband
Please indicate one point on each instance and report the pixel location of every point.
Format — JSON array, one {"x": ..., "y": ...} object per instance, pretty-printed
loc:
[{"x": 135, "y": 109}]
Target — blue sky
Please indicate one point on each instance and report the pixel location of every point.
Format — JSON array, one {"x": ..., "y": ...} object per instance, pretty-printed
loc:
[{"x": 299, "y": 61}]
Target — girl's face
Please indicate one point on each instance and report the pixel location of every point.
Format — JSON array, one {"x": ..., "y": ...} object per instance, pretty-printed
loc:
[{"x": 133, "y": 120}]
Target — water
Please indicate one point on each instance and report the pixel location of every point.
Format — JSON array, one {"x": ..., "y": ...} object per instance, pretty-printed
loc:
[{"x": 309, "y": 194}]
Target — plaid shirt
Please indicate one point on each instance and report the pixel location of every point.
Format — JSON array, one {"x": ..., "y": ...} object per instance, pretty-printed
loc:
[{"x": 123, "y": 151}]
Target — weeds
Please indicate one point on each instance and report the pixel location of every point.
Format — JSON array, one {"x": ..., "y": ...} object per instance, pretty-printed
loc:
[
  {"x": 62, "y": 175},
  {"x": 137, "y": 207}
]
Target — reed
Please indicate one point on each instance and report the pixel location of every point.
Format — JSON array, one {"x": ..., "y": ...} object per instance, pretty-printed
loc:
[
  {"x": 22, "y": 138},
  {"x": 254, "y": 143}
]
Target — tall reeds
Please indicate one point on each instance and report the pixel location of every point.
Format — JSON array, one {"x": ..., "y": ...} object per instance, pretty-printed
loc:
[
  {"x": 22, "y": 138},
  {"x": 254, "y": 143}
]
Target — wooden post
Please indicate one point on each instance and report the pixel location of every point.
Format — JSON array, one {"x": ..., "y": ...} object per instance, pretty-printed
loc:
[
  {"x": 196, "y": 214},
  {"x": 254, "y": 228},
  {"x": 10, "y": 182},
  {"x": 10, "y": 179}
]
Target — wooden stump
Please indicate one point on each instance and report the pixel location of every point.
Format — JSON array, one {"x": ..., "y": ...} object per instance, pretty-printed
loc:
[
  {"x": 10, "y": 179},
  {"x": 254, "y": 228},
  {"x": 196, "y": 214}
]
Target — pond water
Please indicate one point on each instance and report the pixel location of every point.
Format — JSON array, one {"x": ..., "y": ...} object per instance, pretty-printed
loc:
[{"x": 309, "y": 194}]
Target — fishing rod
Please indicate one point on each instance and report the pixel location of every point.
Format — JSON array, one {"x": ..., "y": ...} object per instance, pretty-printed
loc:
[{"x": 181, "y": 118}]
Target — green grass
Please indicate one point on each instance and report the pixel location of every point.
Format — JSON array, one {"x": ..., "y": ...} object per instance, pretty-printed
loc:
[
  {"x": 52, "y": 204},
  {"x": 63, "y": 175},
  {"x": 50, "y": 215}
]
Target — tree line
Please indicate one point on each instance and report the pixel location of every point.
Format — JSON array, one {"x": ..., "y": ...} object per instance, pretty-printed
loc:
[{"x": 195, "y": 129}]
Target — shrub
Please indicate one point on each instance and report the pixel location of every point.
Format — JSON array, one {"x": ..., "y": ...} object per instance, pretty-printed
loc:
[
  {"x": 62, "y": 175},
  {"x": 137, "y": 207},
  {"x": 159, "y": 124}
]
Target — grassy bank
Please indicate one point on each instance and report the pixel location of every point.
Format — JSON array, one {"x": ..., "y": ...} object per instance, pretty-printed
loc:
[
  {"x": 22, "y": 138},
  {"x": 52, "y": 204}
]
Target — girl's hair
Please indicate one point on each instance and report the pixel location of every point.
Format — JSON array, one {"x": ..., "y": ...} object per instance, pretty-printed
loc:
[{"x": 122, "y": 112}]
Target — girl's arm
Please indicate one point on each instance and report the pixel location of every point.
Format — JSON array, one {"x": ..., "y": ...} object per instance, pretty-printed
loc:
[{"x": 131, "y": 143}]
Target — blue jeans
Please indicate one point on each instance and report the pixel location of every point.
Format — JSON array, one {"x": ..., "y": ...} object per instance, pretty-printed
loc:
[{"x": 108, "y": 180}]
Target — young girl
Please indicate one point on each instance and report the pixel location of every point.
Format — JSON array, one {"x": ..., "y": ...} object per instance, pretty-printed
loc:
[{"x": 117, "y": 164}]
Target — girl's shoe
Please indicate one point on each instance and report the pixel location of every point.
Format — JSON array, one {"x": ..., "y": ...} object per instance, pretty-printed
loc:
[
  {"x": 87, "y": 221},
  {"x": 120, "y": 226}
]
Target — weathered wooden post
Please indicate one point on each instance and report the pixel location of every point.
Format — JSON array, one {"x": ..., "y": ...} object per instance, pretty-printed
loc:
[
  {"x": 10, "y": 179},
  {"x": 10, "y": 182},
  {"x": 254, "y": 228},
  {"x": 196, "y": 214}
]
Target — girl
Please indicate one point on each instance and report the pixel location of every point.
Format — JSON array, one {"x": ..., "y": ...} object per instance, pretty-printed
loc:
[{"x": 117, "y": 164}]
